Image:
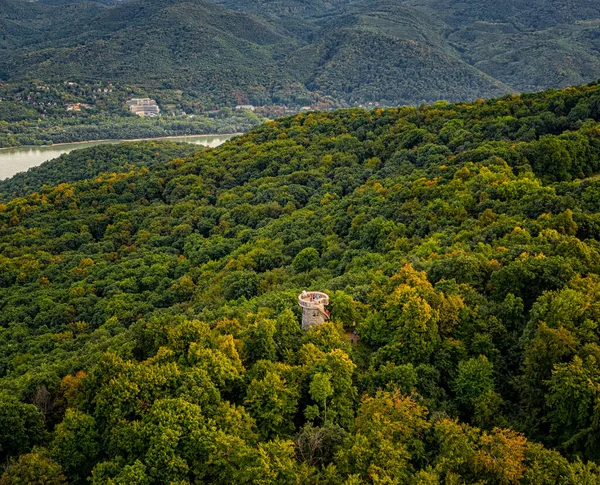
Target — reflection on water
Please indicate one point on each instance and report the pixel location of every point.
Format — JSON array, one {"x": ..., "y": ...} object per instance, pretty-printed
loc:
[{"x": 15, "y": 160}]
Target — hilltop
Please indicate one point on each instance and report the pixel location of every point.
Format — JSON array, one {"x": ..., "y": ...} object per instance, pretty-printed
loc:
[{"x": 149, "y": 318}]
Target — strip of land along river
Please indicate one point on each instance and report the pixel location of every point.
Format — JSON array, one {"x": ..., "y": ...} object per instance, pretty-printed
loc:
[{"x": 19, "y": 159}]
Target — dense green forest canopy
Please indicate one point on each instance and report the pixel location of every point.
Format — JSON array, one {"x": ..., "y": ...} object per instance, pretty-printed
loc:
[
  {"x": 149, "y": 325},
  {"x": 228, "y": 52}
]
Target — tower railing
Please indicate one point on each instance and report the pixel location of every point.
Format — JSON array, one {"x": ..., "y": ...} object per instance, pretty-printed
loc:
[{"x": 313, "y": 299}]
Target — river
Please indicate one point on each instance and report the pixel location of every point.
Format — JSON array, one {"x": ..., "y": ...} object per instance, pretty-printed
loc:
[{"x": 19, "y": 159}]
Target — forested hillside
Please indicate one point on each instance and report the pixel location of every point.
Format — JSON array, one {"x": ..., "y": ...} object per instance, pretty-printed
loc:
[
  {"x": 149, "y": 321},
  {"x": 37, "y": 114},
  {"x": 228, "y": 52},
  {"x": 88, "y": 163},
  {"x": 527, "y": 45}
]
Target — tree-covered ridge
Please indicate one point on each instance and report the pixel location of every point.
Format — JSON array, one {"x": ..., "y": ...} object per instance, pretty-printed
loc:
[
  {"x": 149, "y": 318},
  {"x": 301, "y": 52}
]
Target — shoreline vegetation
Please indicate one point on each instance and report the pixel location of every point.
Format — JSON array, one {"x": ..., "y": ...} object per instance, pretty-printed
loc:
[
  {"x": 59, "y": 130},
  {"x": 124, "y": 140},
  {"x": 88, "y": 162}
]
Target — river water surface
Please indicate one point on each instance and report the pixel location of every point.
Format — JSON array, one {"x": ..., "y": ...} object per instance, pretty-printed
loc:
[{"x": 19, "y": 159}]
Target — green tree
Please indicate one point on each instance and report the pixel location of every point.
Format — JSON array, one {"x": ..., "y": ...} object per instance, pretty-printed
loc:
[
  {"x": 386, "y": 439},
  {"x": 475, "y": 378},
  {"x": 259, "y": 341},
  {"x": 573, "y": 403},
  {"x": 75, "y": 444},
  {"x": 21, "y": 427},
  {"x": 115, "y": 473},
  {"x": 344, "y": 308},
  {"x": 288, "y": 333},
  {"x": 320, "y": 390},
  {"x": 33, "y": 469},
  {"x": 306, "y": 260},
  {"x": 273, "y": 404},
  {"x": 240, "y": 284},
  {"x": 407, "y": 326}
]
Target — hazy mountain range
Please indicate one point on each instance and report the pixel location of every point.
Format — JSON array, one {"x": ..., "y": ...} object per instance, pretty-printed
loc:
[{"x": 394, "y": 52}]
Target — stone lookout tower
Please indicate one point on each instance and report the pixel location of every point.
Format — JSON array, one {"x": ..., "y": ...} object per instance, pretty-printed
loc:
[{"x": 313, "y": 305}]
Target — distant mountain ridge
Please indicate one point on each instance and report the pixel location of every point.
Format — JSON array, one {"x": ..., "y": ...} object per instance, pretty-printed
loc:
[{"x": 233, "y": 51}]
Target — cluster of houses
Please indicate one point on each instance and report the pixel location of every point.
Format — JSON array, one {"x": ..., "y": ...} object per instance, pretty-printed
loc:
[
  {"x": 95, "y": 90},
  {"x": 77, "y": 106},
  {"x": 370, "y": 104}
]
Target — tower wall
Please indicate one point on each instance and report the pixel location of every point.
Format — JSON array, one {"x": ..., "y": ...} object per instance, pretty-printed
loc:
[{"x": 312, "y": 317}]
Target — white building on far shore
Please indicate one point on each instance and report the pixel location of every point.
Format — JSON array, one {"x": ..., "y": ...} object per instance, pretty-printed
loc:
[{"x": 143, "y": 107}]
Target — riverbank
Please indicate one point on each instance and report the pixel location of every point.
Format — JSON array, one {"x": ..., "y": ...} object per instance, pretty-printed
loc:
[
  {"x": 19, "y": 159},
  {"x": 86, "y": 128},
  {"x": 229, "y": 136}
]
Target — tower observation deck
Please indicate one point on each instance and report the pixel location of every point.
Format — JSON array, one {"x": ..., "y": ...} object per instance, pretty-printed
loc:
[{"x": 313, "y": 305}]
